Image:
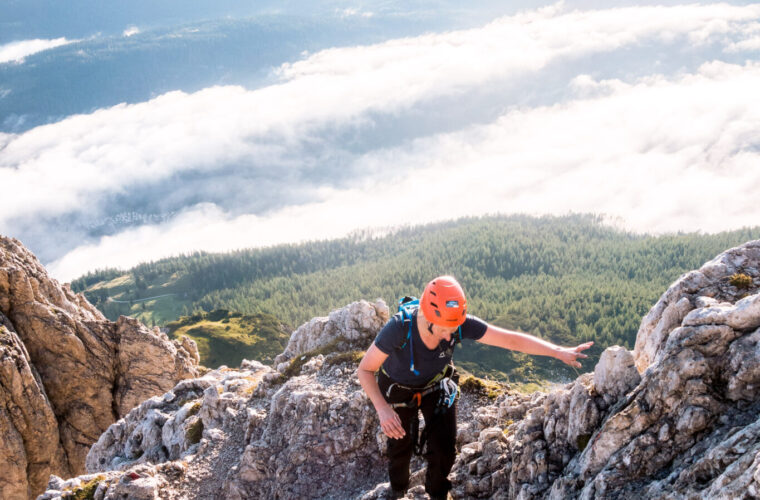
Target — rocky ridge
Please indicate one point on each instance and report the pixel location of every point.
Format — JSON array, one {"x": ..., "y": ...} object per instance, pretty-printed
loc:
[
  {"x": 675, "y": 418},
  {"x": 67, "y": 373}
]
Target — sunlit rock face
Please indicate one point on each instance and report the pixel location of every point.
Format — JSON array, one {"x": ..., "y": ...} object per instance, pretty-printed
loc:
[
  {"x": 67, "y": 372},
  {"x": 723, "y": 291},
  {"x": 675, "y": 418},
  {"x": 685, "y": 427},
  {"x": 254, "y": 432}
]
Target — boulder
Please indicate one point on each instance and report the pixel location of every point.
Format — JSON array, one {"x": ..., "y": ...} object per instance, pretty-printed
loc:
[{"x": 357, "y": 324}]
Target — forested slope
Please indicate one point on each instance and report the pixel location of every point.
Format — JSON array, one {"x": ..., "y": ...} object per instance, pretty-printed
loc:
[{"x": 569, "y": 279}]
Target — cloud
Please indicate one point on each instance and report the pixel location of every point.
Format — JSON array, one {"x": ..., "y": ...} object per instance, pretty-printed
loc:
[
  {"x": 131, "y": 30},
  {"x": 351, "y": 12},
  {"x": 344, "y": 133},
  {"x": 661, "y": 154},
  {"x": 18, "y": 51},
  {"x": 748, "y": 44},
  {"x": 59, "y": 168}
]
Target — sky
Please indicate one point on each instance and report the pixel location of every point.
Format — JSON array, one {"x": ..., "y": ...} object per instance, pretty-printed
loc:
[{"x": 160, "y": 130}]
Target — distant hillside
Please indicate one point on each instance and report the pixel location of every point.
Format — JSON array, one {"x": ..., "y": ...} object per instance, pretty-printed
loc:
[
  {"x": 569, "y": 279},
  {"x": 226, "y": 338}
]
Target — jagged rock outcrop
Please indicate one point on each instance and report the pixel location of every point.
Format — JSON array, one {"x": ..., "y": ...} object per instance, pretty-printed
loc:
[
  {"x": 357, "y": 323},
  {"x": 28, "y": 426},
  {"x": 67, "y": 372},
  {"x": 253, "y": 432},
  {"x": 686, "y": 429},
  {"x": 709, "y": 290},
  {"x": 684, "y": 425}
]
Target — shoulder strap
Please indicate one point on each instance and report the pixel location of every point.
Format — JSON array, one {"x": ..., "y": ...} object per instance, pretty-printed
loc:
[
  {"x": 407, "y": 306},
  {"x": 456, "y": 338}
]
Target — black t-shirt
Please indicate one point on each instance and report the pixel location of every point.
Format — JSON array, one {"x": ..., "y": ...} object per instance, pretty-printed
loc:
[{"x": 427, "y": 362}]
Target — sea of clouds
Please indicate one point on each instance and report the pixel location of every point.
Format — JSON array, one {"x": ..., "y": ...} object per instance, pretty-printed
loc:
[{"x": 648, "y": 114}]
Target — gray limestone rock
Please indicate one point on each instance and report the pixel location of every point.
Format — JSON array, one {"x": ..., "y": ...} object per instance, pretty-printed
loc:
[
  {"x": 712, "y": 282},
  {"x": 356, "y": 323},
  {"x": 615, "y": 374},
  {"x": 244, "y": 434}
]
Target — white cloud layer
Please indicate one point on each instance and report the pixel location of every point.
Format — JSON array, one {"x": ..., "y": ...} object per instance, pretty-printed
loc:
[
  {"x": 661, "y": 154},
  {"x": 18, "y": 51},
  {"x": 57, "y": 168}
]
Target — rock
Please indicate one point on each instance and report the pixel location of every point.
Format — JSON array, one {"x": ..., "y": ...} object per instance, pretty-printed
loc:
[
  {"x": 313, "y": 427},
  {"x": 665, "y": 316},
  {"x": 357, "y": 323},
  {"x": 743, "y": 315},
  {"x": 156, "y": 431},
  {"x": 683, "y": 425},
  {"x": 712, "y": 282},
  {"x": 616, "y": 373},
  {"x": 76, "y": 372},
  {"x": 143, "y": 488},
  {"x": 28, "y": 427},
  {"x": 148, "y": 363},
  {"x": 618, "y": 435},
  {"x": 247, "y": 434}
]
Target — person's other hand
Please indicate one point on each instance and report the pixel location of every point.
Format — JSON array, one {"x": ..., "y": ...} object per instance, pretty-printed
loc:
[
  {"x": 390, "y": 422},
  {"x": 570, "y": 355}
]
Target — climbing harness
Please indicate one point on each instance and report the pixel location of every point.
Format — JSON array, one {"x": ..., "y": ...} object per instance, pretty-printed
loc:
[
  {"x": 448, "y": 393},
  {"x": 445, "y": 383}
]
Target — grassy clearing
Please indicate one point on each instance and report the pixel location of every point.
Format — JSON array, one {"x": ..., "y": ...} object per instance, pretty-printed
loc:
[
  {"x": 131, "y": 292},
  {"x": 226, "y": 338}
]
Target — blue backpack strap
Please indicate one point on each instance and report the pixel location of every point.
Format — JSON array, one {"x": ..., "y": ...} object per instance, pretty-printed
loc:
[
  {"x": 407, "y": 305},
  {"x": 405, "y": 316},
  {"x": 411, "y": 351},
  {"x": 456, "y": 340}
]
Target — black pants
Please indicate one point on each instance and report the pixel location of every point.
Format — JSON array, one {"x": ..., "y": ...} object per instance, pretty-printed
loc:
[{"x": 440, "y": 450}]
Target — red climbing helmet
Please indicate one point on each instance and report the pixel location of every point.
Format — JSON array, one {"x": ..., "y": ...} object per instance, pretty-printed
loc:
[{"x": 443, "y": 302}]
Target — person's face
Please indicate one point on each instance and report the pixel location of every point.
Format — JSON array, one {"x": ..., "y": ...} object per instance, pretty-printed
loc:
[{"x": 444, "y": 332}]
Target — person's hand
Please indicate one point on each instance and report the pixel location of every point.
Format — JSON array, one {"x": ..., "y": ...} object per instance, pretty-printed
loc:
[
  {"x": 390, "y": 422},
  {"x": 570, "y": 355}
]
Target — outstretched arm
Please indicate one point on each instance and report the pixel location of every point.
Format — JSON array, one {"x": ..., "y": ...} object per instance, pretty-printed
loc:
[{"x": 523, "y": 342}]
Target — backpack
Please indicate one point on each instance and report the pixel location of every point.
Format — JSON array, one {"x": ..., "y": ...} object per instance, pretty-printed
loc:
[{"x": 407, "y": 306}]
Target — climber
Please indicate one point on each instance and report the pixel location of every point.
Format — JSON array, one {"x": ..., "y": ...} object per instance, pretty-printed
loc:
[{"x": 408, "y": 369}]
